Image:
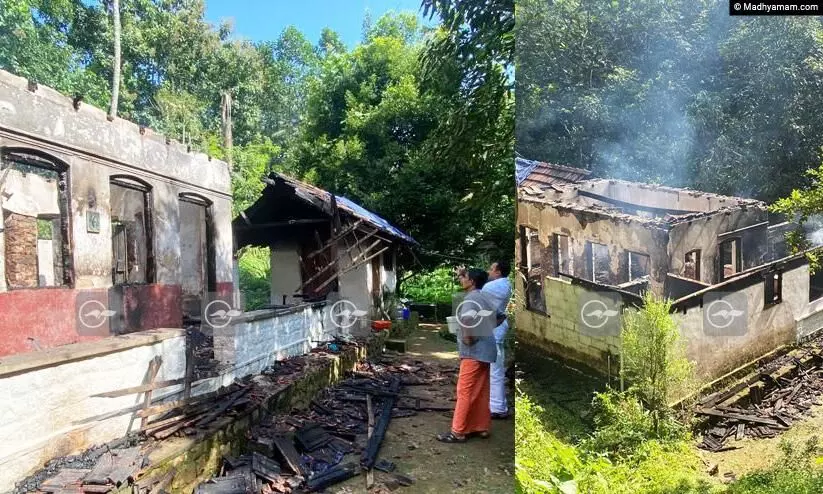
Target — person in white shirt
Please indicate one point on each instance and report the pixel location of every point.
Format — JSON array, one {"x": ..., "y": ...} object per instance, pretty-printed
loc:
[{"x": 500, "y": 290}]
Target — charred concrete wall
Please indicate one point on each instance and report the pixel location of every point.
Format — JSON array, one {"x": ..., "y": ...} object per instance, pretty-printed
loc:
[
  {"x": 620, "y": 235},
  {"x": 768, "y": 326},
  {"x": 666, "y": 245},
  {"x": 560, "y": 333},
  {"x": 94, "y": 150},
  {"x": 750, "y": 225}
]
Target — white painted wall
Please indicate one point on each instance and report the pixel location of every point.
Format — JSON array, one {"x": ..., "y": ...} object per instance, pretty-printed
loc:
[
  {"x": 285, "y": 272},
  {"x": 354, "y": 285},
  {"x": 260, "y": 338},
  {"x": 38, "y": 408},
  {"x": 45, "y": 262},
  {"x": 30, "y": 194}
]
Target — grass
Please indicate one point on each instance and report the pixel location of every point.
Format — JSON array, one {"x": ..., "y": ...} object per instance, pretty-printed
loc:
[
  {"x": 555, "y": 423},
  {"x": 561, "y": 448}
]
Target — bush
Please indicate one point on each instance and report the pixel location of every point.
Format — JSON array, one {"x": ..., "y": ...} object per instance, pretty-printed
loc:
[
  {"x": 545, "y": 464},
  {"x": 255, "y": 276},
  {"x": 654, "y": 358},
  {"x": 794, "y": 473},
  {"x": 435, "y": 287},
  {"x": 622, "y": 425}
]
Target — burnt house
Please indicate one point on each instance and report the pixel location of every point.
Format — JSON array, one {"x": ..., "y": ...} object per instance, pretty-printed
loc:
[
  {"x": 582, "y": 238},
  {"x": 323, "y": 246},
  {"x": 107, "y": 227}
]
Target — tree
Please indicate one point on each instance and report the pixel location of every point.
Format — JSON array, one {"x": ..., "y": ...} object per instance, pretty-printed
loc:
[
  {"x": 675, "y": 92},
  {"x": 466, "y": 66},
  {"x": 370, "y": 128},
  {"x": 115, "y": 79},
  {"x": 803, "y": 205}
]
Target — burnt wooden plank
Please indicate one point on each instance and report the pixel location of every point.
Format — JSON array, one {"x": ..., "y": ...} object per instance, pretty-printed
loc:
[
  {"x": 225, "y": 405},
  {"x": 737, "y": 416},
  {"x": 331, "y": 476},
  {"x": 164, "y": 482},
  {"x": 97, "y": 489},
  {"x": 236, "y": 484},
  {"x": 793, "y": 393},
  {"x": 154, "y": 368},
  {"x": 265, "y": 467},
  {"x": 373, "y": 447},
  {"x": 285, "y": 448},
  {"x": 66, "y": 477},
  {"x": 115, "y": 467},
  {"x": 138, "y": 389},
  {"x": 741, "y": 431}
]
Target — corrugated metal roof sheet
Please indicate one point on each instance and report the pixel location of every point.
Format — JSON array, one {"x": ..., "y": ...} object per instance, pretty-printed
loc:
[
  {"x": 543, "y": 174},
  {"x": 313, "y": 194}
]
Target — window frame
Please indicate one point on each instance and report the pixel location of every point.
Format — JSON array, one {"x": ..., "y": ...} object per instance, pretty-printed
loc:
[
  {"x": 557, "y": 259},
  {"x": 591, "y": 262},
  {"x": 526, "y": 234},
  {"x": 134, "y": 183},
  {"x": 48, "y": 162},
  {"x": 697, "y": 265},
  {"x": 737, "y": 254},
  {"x": 629, "y": 254},
  {"x": 211, "y": 253},
  {"x": 770, "y": 279}
]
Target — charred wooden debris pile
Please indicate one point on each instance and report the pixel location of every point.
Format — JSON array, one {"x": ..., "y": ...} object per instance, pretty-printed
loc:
[
  {"x": 108, "y": 467},
  {"x": 765, "y": 403},
  {"x": 338, "y": 436},
  {"x": 302, "y": 451}
]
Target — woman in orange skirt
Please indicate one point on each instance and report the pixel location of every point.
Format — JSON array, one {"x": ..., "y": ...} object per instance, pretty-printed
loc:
[{"x": 477, "y": 350}]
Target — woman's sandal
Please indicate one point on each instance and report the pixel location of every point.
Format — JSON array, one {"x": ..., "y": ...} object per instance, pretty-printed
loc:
[{"x": 450, "y": 438}]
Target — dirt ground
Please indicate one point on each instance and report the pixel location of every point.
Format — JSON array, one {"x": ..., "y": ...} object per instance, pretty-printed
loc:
[
  {"x": 755, "y": 454},
  {"x": 477, "y": 466}
]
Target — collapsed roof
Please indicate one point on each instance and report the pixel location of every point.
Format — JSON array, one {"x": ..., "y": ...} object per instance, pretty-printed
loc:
[{"x": 287, "y": 202}]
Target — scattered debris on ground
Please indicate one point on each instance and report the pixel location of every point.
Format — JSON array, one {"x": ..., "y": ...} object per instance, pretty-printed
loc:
[
  {"x": 329, "y": 442},
  {"x": 99, "y": 469},
  {"x": 766, "y": 402},
  {"x": 307, "y": 449}
]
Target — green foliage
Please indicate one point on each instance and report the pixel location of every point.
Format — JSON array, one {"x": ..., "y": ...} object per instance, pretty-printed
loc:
[
  {"x": 255, "y": 276},
  {"x": 544, "y": 463},
  {"x": 801, "y": 204},
  {"x": 467, "y": 69},
  {"x": 434, "y": 287},
  {"x": 622, "y": 424},
  {"x": 45, "y": 229},
  {"x": 677, "y": 92},
  {"x": 797, "y": 471},
  {"x": 653, "y": 359}
]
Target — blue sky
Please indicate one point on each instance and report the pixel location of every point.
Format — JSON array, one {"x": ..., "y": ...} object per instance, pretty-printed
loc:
[{"x": 260, "y": 20}]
